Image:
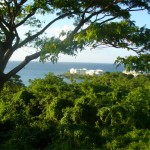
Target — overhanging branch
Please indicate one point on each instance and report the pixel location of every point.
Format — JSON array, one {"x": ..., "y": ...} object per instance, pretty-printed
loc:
[
  {"x": 22, "y": 64},
  {"x": 84, "y": 20},
  {"x": 40, "y": 32}
]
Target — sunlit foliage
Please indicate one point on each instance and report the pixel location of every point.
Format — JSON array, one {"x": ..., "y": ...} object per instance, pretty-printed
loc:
[{"x": 104, "y": 112}]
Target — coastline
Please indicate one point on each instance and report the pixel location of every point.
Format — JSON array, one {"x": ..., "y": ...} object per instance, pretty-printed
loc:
[{"x": 38, "y": 69}]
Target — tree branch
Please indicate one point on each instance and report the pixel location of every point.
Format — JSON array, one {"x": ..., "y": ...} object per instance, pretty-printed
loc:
[
  {"x": 21, "y": 65},
  {"x": 89, "y": 17},
  {"x": 4, "y": 29},
  {"x": 22, "y": 2},
  {"x": 40, "y": 32},
  {"x": 3, "y": 21},
  {"x": 8, "y": 6},
  {"x": 108, "y": 20},
  {"x": 9, "y": 52},
  {"x": 25, "y": 19}
]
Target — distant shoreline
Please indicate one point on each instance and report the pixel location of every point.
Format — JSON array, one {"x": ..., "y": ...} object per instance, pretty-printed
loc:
[{"x": 36, "y": 69}]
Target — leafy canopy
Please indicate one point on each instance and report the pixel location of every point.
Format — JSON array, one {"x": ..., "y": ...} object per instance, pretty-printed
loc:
[{"x": 110, "y": 111}]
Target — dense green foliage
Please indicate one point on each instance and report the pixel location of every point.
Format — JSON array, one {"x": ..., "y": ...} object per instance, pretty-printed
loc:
[
  {"x": 137, "y": 63},
  {"x": 108, "y": 112}
]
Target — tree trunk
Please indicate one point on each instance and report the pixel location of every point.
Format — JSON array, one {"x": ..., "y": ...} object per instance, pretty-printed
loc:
[
  {"x": 5, "y": 77},
  {"x": 2, "y": 81}
]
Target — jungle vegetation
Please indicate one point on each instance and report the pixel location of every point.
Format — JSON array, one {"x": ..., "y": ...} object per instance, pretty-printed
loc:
[
  {"x": 105, "y": 112},
  {"x": 96, "y": 23},
  {"x": 108, "y": 112}
]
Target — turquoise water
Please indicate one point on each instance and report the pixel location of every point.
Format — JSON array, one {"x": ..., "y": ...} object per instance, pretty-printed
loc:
[{"x": 39, "y": 70}]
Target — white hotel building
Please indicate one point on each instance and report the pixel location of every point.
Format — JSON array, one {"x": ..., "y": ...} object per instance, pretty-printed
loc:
[{"x": 84, "y": 71}]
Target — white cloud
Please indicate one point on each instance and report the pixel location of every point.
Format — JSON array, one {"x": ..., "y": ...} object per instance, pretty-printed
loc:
[
  {"x": 55, "y": 31},
  {"x": 107, "y": 55},
  {"x": 21, "y": 53},
  {"x": 99, "y": 55}
]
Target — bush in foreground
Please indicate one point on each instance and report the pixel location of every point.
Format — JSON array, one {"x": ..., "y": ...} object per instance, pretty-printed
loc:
[{"x": 106, "y": 112}]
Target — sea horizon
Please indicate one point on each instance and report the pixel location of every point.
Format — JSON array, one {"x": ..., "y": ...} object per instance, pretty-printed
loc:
[
  {"x": 62, "y": 62},
  {"x": 36, "y": 69}
]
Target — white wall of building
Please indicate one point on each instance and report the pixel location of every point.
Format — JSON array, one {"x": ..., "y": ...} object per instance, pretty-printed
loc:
[{"x": 85, "y": 71}]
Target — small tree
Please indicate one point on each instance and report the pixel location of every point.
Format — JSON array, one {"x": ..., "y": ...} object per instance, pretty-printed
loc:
[{"x": 18, "y": 13}]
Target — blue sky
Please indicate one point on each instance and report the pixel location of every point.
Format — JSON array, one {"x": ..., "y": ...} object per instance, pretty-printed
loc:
[{"x": 99, "y": 55}]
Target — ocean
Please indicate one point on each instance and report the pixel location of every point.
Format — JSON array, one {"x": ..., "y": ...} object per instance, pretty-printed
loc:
[{"x": 38, "y": 70}]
